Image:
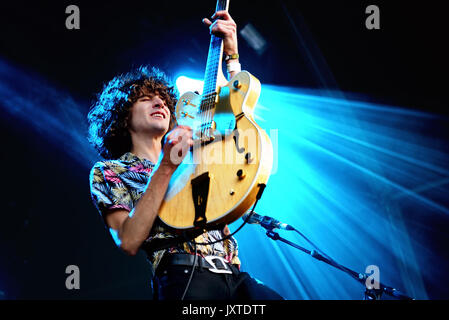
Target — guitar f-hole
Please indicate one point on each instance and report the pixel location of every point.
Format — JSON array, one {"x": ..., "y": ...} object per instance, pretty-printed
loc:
[{"x": 236, "y": 140}]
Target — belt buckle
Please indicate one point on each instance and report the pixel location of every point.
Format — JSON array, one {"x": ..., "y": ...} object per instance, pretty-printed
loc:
[{"x": 214, "y": 269}]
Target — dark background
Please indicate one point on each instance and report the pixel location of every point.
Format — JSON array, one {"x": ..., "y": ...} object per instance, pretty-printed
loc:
[
  {"x": 404, "y": 62},
  {"x": 48, "y": 221}
]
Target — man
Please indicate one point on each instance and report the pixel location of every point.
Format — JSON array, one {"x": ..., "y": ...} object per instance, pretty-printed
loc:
[{"x": 134, "y": 121}]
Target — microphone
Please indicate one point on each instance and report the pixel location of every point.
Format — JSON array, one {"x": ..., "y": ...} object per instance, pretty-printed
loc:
[{"x": 266, "y": 222}]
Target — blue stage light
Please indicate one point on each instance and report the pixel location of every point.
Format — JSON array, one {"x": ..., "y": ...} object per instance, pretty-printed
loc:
[
  {"x": 185, "y": 84},
  {"x": 350, "y": 176},
  {"x": 50, "y": 111}
]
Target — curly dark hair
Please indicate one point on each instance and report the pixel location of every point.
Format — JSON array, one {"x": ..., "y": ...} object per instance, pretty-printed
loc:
[{"x": 108, "y": 117}]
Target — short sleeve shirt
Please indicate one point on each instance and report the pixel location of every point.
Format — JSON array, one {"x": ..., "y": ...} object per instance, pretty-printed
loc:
[{"x": 119, "y": 184}]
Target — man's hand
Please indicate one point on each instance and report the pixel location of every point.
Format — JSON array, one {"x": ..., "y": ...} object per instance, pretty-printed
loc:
[
  {"x": 224, "y": 27},
  {"x": 177, "y": 145}
]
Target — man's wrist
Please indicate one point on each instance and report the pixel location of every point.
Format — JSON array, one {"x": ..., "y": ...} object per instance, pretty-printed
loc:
[
  {"x": 166, "y": 168},
  {"x": 233, "y": 66}
]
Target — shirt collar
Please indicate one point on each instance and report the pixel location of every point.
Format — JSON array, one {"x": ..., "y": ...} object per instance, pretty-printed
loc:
[{"x": 132, "y": 159}]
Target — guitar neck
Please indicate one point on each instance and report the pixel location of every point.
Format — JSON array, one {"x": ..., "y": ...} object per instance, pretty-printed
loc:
[{"x": 214, "y": 57}]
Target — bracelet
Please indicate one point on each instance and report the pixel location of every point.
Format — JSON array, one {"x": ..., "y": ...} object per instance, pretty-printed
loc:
[
  {"x": 231, "y": 56},
  {"x": 234, "y": 66}
]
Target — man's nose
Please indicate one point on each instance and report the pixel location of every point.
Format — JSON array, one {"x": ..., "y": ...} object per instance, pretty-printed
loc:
[{"x": 159, "y": 103}]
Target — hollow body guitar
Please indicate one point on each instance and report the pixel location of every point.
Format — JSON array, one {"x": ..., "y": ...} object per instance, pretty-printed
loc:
[{"x": 231, "y": 160}]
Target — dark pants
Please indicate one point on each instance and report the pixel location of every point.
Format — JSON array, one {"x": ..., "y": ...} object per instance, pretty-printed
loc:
[{"x": 206, "y": 285}]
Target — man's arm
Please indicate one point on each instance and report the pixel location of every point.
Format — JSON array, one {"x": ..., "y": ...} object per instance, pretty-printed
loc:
[
  {"x": 226, "y": 28},
  {"x": 131, "y": 229}
]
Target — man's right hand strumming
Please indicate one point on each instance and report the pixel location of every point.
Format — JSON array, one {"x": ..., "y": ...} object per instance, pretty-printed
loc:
[{"x": 177, "y": 145}]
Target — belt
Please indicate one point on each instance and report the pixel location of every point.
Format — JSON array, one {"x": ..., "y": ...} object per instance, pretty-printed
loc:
[{"x": 214, "y": 264}]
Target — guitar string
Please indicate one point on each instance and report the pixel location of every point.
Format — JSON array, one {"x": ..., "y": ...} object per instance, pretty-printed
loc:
[
  {"x": 206, "y": 101},
  {"x": 216, "y": 44},
  {"x": 203, "y": 110},
  {"x": 221, "y": 5},
  {"x": 207, "y": 105}
]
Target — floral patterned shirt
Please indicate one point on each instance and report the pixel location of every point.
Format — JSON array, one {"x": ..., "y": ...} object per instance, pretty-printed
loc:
[{"x": 119, "y": 184}]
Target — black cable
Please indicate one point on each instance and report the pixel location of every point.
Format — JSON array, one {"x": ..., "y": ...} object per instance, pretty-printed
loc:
[
  {"x": 333, "y": 262},
  {"x": 191, "y": 273},
  {"x": 313, "y": 245},
  {"x": 209, "y": 243}
]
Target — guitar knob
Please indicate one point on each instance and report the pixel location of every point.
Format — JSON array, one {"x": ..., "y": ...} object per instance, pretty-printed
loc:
[
  {"x": 248, "y": 158},
  {"x": 241, "y": 174},
  {"x": 237, "y": 84}
]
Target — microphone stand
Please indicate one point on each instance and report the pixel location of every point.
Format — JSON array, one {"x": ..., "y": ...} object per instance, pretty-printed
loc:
[{"x": 370, "y": 293}]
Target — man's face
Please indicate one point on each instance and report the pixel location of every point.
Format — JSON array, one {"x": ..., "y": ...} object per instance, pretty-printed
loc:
[{"x": 150, "y": 114}]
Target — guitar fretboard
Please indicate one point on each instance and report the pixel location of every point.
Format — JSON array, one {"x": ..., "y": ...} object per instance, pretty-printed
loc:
[{"x": 213, "y": 62}]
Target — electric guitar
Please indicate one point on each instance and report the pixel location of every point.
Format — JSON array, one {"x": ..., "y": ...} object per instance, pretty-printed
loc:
[{"x": 231, "y": 160}]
